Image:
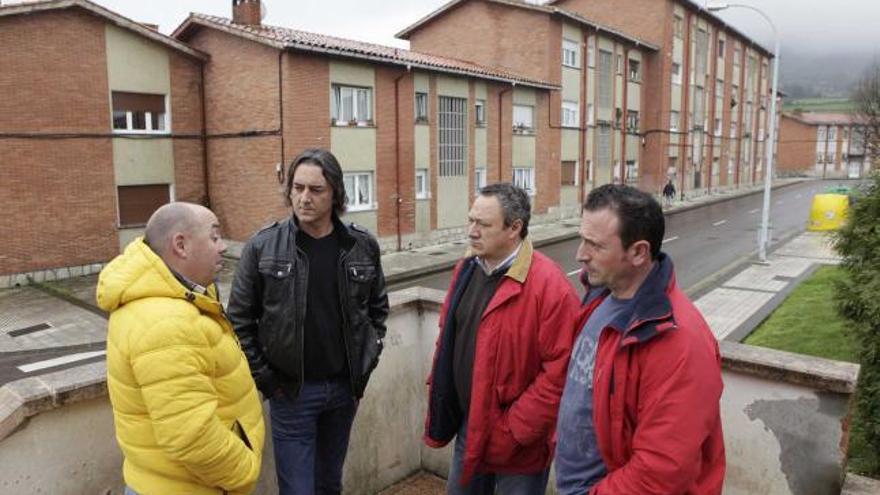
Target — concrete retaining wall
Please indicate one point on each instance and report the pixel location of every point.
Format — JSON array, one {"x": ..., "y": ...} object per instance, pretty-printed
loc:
[{"x": 784, "y": 420}]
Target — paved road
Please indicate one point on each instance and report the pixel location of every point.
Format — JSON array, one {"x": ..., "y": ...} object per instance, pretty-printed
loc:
[{"x": 703, "y": 242}]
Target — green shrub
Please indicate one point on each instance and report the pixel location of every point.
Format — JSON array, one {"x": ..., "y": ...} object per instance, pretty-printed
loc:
[{"x": 858, "y": 300}]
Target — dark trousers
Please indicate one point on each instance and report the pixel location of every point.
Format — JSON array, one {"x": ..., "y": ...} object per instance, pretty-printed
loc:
[{"x": 310, "y": 435}]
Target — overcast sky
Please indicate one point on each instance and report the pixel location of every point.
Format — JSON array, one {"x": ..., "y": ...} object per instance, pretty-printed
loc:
[{"x": 819, "y": 26}]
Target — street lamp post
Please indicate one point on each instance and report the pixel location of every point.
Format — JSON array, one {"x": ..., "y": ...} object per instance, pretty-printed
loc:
[{"x": 764, "y": 235}]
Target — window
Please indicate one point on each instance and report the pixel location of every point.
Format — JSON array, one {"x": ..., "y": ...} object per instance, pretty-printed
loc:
[
  {"x": 820, "y": 133},
  {"x": 718, "y": 126},
  {"x": 702, "y": 53},
  {"x": 422, "y": 189},
  {"x": 589, "y": 166},
  {"x": 632, "y": 172},
  {"x": 719, "y": 89},
  {"x": 673, "y": 120},
  {"x": 352, "y": 106},
  {"x": 421, "y": 108},
  {"x": 479, "y": 178},
  {"x": 139, "y": 112},
  {"x": 591, "y": 52},
  {"x": 569, "y": 173},
  {"x": 620, "y": 64},
  {"x": 632, "y": 121},
  {"x": 737, "y": 55},
  {"x": 832, "y": 133},
  {"x": 720, "y": 48},
  {"x": 734, "y": 130},
  {"x": 570, "y": 114},
  {"x": 452, "y": 153},
  {"x": 523, "y": 118},
  {"x": 618, "y": 118},
  {"x": 605, "y": 79},
  {"x": 570, "y": 53},
  {"x": 635, "y": 70},
  {"x": 480, "y": 113},
  {"x": 590, "y": 117},
  {"x": 676, "y": 73},
  {"x": 678, "y": 26},
  {"x": 137, "y": 203},
  {"x": 525, "y": 178},
  {"x": 699, "y": 106},
  {"x": 359, "y": 189}
]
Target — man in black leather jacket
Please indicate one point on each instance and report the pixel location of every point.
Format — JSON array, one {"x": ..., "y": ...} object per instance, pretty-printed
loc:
[{"x": 309, "y": 305}]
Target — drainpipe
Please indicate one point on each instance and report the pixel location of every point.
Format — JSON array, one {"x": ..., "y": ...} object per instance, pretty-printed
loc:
[
  {"x": 204, "y": 137},
  {"x": 281, "y": 113},
  {"x": 501, "y": 126},
  {"x": 398, "y": 200},
  {"x": 625, "y": 111}
]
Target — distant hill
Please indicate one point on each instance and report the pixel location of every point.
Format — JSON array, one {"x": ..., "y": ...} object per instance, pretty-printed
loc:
[
  {"x": 819, "y": 104},
  {"x": 808, "y": 75}
]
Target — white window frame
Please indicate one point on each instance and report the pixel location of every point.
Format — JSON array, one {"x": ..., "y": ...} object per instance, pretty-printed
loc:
[
  {"x": 676, "y": 76},
  {"x": 148, "y": 117},
  {"x": 570, "y": 114},
  {"x": 423, "y": 192},
  {"x": 480, "y": 113},
  {"x": 520, "y": 123},
  {"x": 421, "y": 107},
  {"x": 635, "y": 70},
  {"x": 358, "y": 178},
  {"x": 674, "y": 120},
  {"x": 719, "y": 125},
  {"x": 479, "y": 178},
  {"x": 524, "y": 177},
  {"x": 338, "y": 97},
  {"x": 571, "y": 53}
]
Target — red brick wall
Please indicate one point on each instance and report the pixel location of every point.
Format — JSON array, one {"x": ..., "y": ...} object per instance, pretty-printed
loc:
[
  {"x": 394, "y": 179},
  {"x": 495, "y": 35},
  {"x": 434, "y": 157},
  {"x": 797, "y": 146},
  {"x": 58, "y": 195},
  {"x": 186, "y": 119},
  {"x": 306, "y": 103},
  {"x": 241, "y": 95},
  {"x": 643, "y": 19},
  {"x": 547, "y": 144}
]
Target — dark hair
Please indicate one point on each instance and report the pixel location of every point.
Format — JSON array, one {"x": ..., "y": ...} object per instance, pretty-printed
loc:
[
  {"x": 331, "y": 170},
  {"x": 514, "y": 203},
  {"x": 640, "y": 215}
]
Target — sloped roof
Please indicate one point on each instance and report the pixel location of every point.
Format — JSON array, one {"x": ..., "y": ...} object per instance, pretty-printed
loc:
[
  {"x": 292, "y": 39},
  {"x": 546, "y": 9},
  {"x": 107, "y": 15},
  {"x": 823, "y": 118}
]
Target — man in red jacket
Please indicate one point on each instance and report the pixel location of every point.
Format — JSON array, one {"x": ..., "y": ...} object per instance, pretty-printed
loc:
[
  {"x": 499, "y": 366},
  {"x": 640, "y": 410}
]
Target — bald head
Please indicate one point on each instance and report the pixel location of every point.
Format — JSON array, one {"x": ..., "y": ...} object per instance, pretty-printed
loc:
[
  {"x": 170, "y": 219},
  {"x": 187, "y": 238}
]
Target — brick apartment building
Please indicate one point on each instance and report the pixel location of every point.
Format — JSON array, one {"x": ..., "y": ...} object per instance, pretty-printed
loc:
[
  {"x": 707, "y": 97},
  {"x": 558, "y": 98},
  {"x": 822, "y": 144},
  {"x": 100, "y": 122}
]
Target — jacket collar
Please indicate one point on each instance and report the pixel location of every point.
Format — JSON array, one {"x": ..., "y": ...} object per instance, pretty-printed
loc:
[
  {"x": 519, "y": 269},
  {"x": 652, "y": 313}
]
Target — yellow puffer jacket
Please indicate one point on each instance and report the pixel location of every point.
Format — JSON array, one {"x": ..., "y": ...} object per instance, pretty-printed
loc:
[{"x": 187, "y": 415}]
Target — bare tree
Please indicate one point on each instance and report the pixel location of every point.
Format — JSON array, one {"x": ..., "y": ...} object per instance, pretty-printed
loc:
[{"x": 867, "y": 101}]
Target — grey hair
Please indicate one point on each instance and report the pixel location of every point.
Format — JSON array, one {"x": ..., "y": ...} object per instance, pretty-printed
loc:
[
  {"x": 514, "y": 203},
  {"x": 168, "y": 220}
]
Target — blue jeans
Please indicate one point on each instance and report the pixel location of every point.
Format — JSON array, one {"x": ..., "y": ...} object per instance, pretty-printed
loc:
[
  {"x": 310, "y": 435},
  {"x": 486, "y": 483}
]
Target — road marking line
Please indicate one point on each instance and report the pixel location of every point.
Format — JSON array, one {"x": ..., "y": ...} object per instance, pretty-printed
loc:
[
  {"x": 720, "y": 222},
  {"x": 754, "y": 211},
  {"x": 670, "y": 239},
  {"x": 573, "y": 272},
  {"x": 51, "y": 363}
]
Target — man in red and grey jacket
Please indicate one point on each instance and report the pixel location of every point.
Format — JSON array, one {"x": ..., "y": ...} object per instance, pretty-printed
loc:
[
  {"x": 640, "y": 410},
  {"x": 506, "y": 330}
]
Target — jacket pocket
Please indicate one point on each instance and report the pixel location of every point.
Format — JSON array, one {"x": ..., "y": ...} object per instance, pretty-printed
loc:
[
  {"x": 277, "y": 277},
  {"x": 238, "y": 429},
  {"x": 360, "y": 278},
  {"x": 501, "y": 447}
]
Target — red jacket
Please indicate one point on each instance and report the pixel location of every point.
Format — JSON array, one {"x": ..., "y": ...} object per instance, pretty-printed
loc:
[
  {"x": 521, "y": 357},
  {"x": 656, "y": 392}
]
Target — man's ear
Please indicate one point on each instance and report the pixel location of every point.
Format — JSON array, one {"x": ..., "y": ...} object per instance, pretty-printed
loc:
[
  {"x": 640, "y": 252},
  {"x": 178, "y": 245},
  {"x": 516, "y": 227}
]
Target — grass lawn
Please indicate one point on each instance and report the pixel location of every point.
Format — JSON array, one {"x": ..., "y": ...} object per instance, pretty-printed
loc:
[
  {"x": 807, "y": 323},
  {"x": 820, "y": 105}
]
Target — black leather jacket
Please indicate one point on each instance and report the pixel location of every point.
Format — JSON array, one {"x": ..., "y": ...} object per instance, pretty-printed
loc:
[{"x": 266, "y": 305}]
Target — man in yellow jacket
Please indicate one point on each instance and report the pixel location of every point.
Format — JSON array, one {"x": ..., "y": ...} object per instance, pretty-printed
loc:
[{"x": 187, "y": 415}]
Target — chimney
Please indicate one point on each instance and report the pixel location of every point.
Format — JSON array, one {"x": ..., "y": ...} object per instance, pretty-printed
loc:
[{"x": 246, "y": 12}]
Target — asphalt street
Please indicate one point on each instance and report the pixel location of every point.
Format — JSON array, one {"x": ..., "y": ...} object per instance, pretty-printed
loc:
[{"x": 704, "y": 243}]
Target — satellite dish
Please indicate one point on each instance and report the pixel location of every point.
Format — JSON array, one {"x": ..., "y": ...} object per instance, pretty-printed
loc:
[{"x": 263, "y": 11}]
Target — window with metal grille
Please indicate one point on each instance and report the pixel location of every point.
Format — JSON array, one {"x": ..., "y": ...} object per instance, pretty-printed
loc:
[
  {"x": 137, "y": 203},
  {"x": 421, "y": 108},
  {"x": 569, "y": 173},
  {"x": 605, "y": 79},
  {"x": 603, "y": 141},
  {"x": 701, "y": 55},
  {"x": 452, "y": 139}
]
